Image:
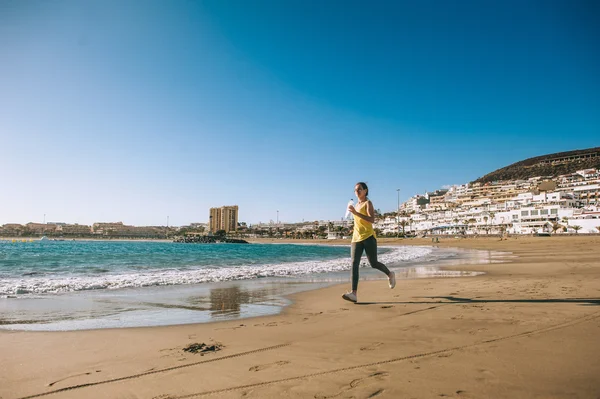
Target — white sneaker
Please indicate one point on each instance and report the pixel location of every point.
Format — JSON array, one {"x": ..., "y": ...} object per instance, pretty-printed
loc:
[
  {"x": 350, "y": 296},
  {"x": 392, "y": 280}
]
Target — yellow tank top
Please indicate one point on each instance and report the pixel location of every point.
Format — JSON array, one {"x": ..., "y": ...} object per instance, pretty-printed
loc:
[{"x": 362, "y": 228}]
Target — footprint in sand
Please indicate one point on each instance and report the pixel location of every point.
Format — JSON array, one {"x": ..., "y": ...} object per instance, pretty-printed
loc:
[
  {"x": 463, "y": 394},
  {"x": 479, "y": 330},
  {"x": 169, "y": 352},
  {"x": 261, "y": 367},
  {"x": 485, "y": 376},
  {"x": 379, "y": 376},
  {"x": 371, "y": 347},
  {"x": 459, "y": 394},
  {"x": 231, "y": 328},
  {"x": 272, "y": 324},
  {"x": 312, "y": 314}
]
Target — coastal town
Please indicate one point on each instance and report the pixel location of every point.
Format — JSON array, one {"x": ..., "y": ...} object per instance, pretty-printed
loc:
[{"x": 565, "y": 204}]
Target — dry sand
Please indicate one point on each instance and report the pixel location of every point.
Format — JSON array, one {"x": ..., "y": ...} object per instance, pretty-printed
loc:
[{"x": 529, "y": 328}]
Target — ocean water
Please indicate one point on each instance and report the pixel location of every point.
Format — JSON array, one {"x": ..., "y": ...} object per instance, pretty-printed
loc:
[
  {"x": 66, "y": 285},
  {"x": 52, "y": 267}
]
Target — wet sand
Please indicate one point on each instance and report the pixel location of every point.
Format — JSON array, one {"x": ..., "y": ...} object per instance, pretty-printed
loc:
[{"x": 528, "y": 328}]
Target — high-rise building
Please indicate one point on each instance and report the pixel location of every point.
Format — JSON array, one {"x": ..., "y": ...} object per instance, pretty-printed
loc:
[{"x": 223, "y": 218}]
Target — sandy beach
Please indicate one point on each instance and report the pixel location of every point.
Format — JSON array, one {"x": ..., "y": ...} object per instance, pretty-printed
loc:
[{"x": 527, "y": 328}]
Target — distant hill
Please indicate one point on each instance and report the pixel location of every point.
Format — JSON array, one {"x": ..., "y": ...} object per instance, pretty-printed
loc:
[{"x": 557, "y": 164}]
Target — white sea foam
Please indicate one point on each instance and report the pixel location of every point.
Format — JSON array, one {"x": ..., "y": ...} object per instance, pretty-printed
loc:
[{"x": 60, "y": 284}]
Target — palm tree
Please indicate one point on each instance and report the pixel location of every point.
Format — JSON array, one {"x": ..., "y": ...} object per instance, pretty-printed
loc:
[
  {"x": 492, "y": 216},
  {"x": 403, "y": 224},
  {"x": 576, "y": 228},
  {"x": 455, "y": 220},
  {"x": 471, "y": 221},
  {"x": 466, "y": 223},
  {"x": 556, "y": 226},
  {"x": 566, "y": 226},
  {"x": 502, "y": 231},
  {"x": 321, "y": 232}
]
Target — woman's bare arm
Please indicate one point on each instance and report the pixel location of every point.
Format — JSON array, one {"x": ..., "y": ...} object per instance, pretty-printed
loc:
[{"x": 369, "y": 217}]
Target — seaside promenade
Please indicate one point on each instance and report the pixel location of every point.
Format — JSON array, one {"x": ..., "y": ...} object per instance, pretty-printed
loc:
[{"x": 528, "y": 328}]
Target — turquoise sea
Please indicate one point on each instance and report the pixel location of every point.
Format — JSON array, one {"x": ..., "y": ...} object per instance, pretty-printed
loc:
[{"x": 63, "y": 285}]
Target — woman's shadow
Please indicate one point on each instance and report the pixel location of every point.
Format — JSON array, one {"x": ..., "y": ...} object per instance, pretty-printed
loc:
[{"x": 456, "y": 300}]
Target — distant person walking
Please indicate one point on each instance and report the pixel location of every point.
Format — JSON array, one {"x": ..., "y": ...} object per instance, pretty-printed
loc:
[{"x": 363, "y": 239}]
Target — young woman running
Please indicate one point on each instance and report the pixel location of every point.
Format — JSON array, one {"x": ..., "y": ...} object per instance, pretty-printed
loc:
[{"x": 363, "y": 239}]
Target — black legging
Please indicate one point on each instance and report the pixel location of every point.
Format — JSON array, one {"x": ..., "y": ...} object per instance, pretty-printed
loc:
[{"x": 370, "y": 247}]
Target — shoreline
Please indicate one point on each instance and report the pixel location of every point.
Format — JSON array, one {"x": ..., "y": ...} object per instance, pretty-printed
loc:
[
  {"x": 527, "y": 328},
  {"x": 38, "y": 238},
  {"x": 207, "y": 302}
]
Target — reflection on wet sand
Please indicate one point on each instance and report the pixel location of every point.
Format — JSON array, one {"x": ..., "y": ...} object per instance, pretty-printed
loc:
[{"x": 227, "y": 301}]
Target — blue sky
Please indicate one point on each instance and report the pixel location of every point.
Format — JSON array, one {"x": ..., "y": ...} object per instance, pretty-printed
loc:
[{"x": 136, "y": 111}]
